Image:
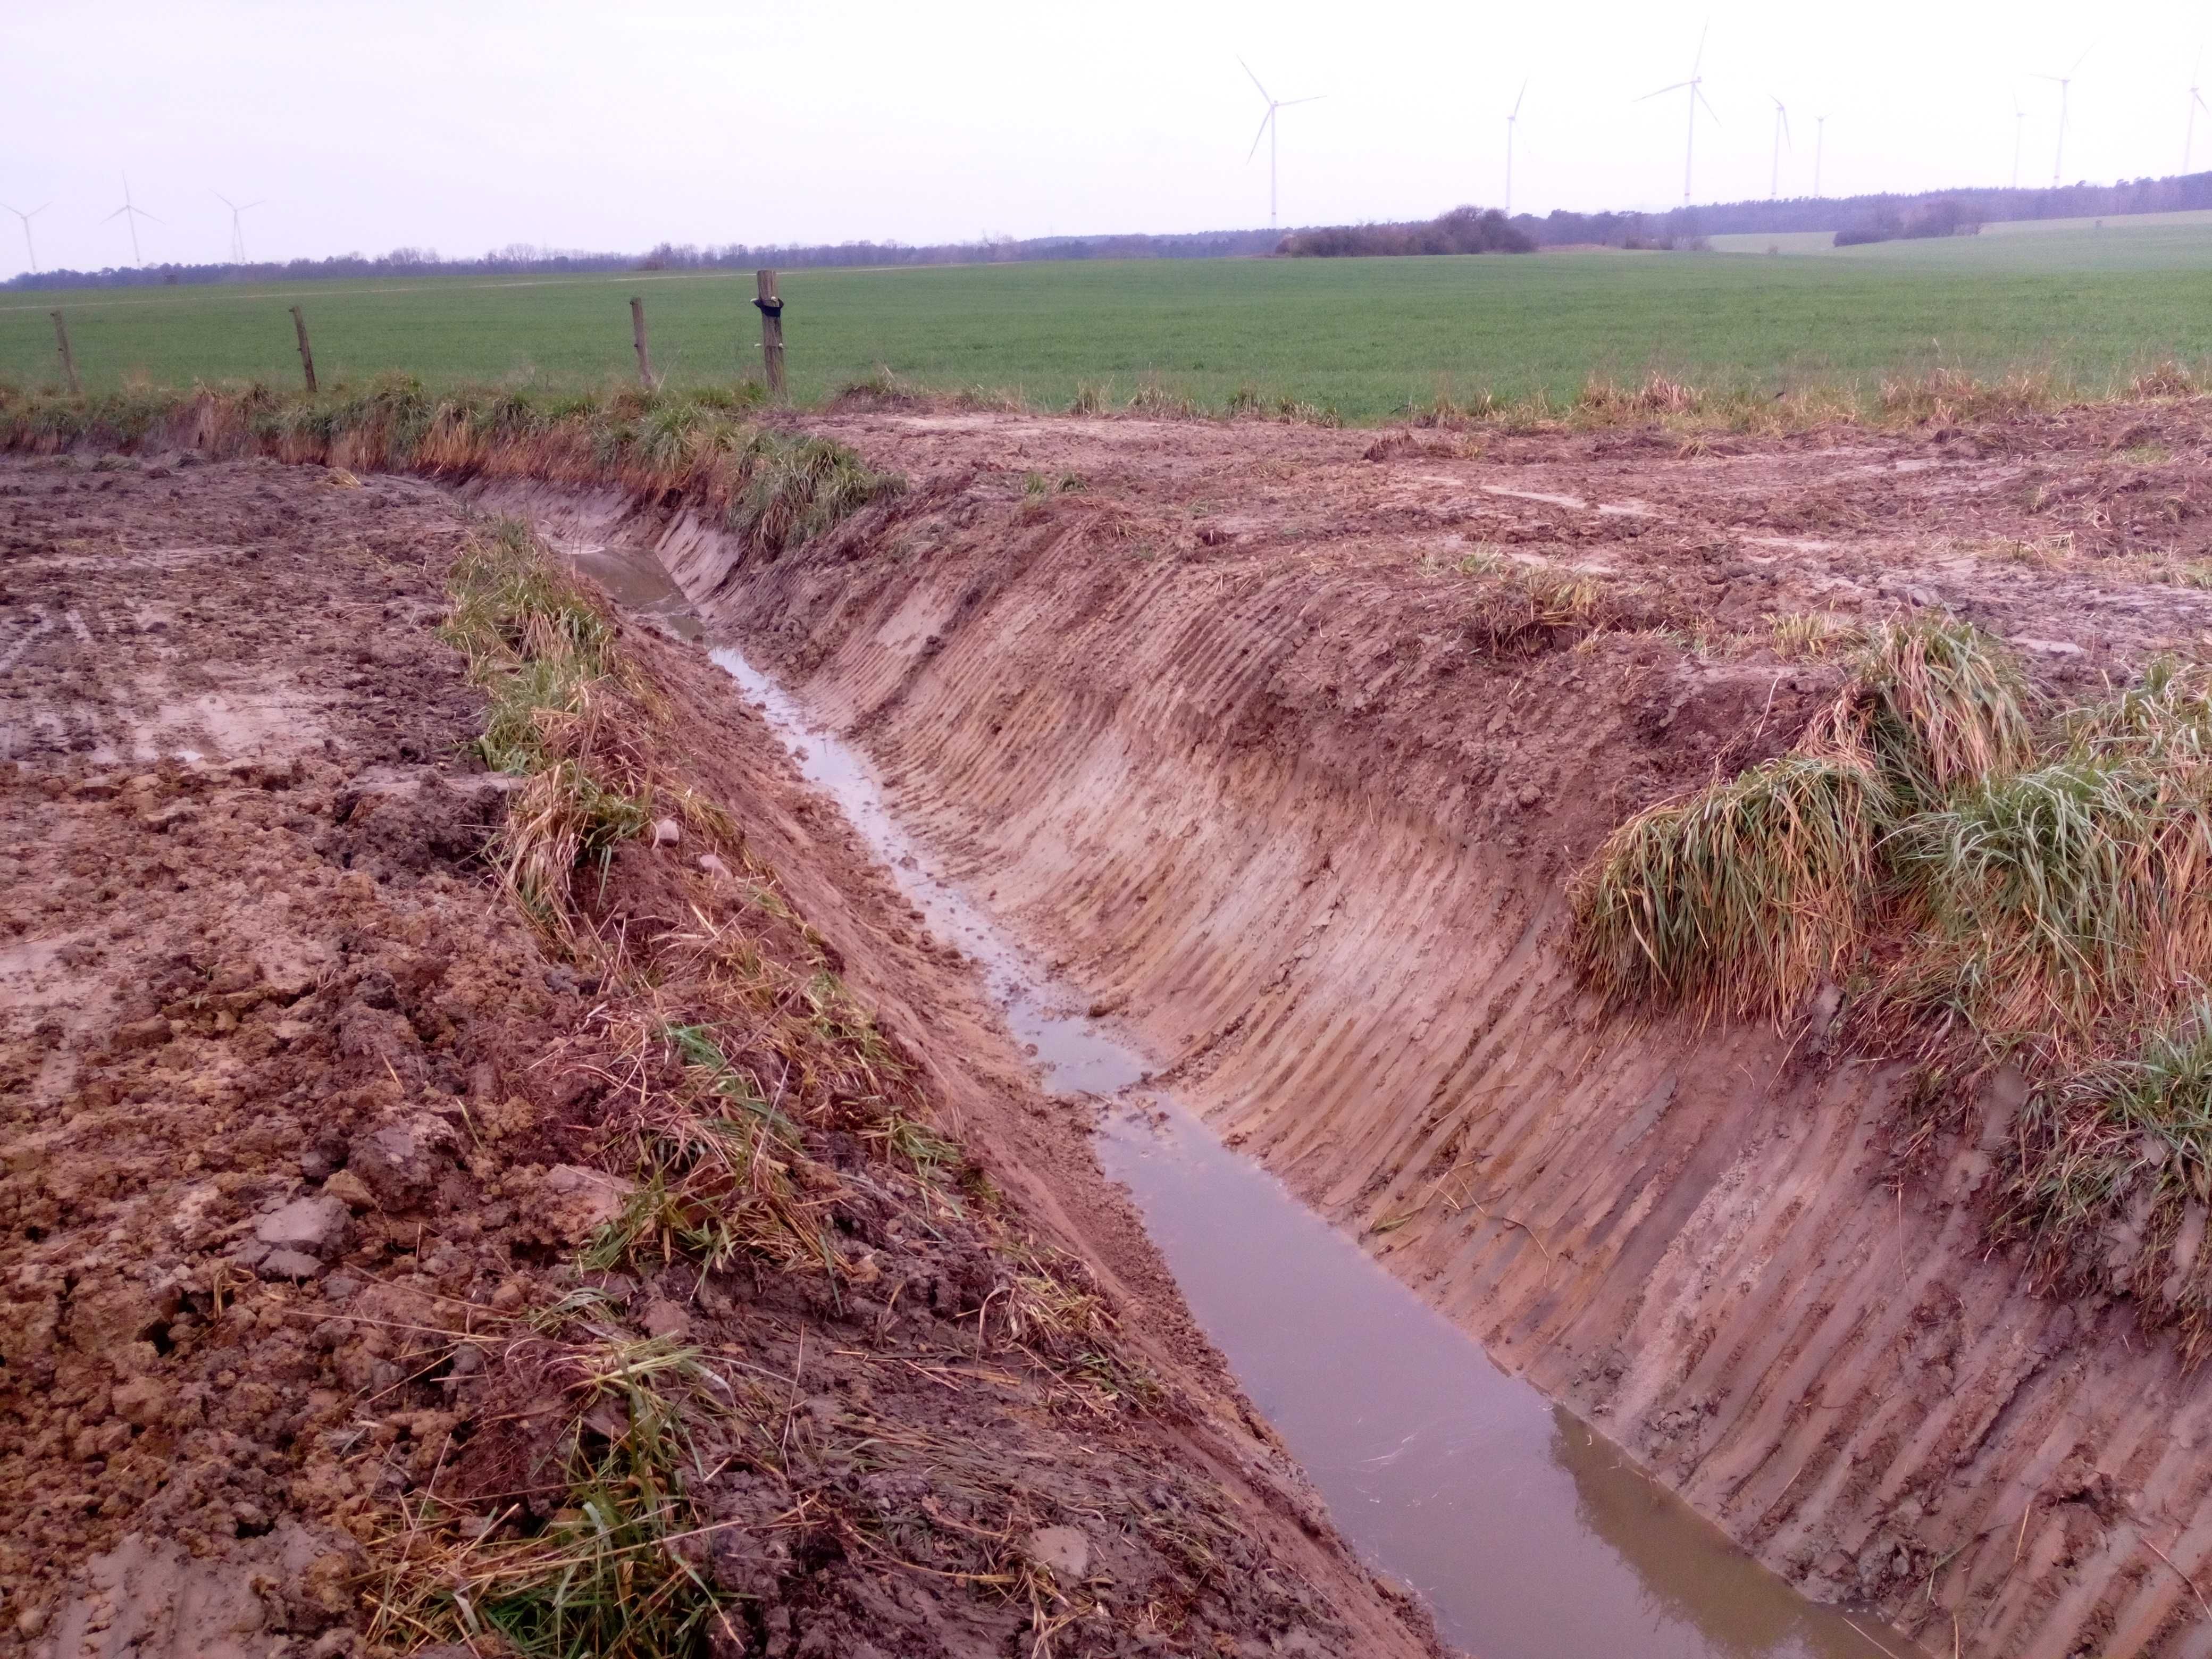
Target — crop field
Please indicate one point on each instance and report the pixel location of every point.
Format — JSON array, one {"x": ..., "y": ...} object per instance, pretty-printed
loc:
[
  {"x": 2171, "y": 243},
  {"x": 1362, "y": 339}
]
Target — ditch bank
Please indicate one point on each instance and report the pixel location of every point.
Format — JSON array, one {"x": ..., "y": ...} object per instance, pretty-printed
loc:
[
  {"x": 411, "y": 1244},
  {"x": 1282, "y": 745}
]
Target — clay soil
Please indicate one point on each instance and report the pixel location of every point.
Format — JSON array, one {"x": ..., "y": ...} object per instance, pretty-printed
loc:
[
  {"x": 302, "y": 1120},
  {"x": 2082, "y": 538}
]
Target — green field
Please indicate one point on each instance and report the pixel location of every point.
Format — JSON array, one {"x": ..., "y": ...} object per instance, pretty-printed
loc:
[
  {"x": 2175, "y": 242},
  {"x": 1362, "y": 337}
]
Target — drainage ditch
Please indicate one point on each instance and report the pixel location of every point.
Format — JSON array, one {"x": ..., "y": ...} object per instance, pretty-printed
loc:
[{"x": 1531, "y": 1536}]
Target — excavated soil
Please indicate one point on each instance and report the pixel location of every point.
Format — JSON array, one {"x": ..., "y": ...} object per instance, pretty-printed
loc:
[
  {"x": 300, "y": 1117},
  {"x": 1284, "y": 742}
]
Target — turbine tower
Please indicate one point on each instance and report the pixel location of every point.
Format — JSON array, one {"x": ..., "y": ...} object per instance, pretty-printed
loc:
[
  {"x": 237, "y": 229},
  {"x": 1268, "y": 126},
  {"x": 2196, "y": 102},
  {"x": 29, "y": 246},
  {"x": 131, "y": 215},
  {"x": 1820, "y": 148},
  {"x": 1509, "y": 120},
  {"x": 1781, "y": 137},
  {"x": 1696, "y": 87},
  {"x": 2065, "y": 80}
]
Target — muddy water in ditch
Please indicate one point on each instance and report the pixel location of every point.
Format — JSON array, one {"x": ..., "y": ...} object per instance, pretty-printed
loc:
[{"x": 1532, "y": 1537}]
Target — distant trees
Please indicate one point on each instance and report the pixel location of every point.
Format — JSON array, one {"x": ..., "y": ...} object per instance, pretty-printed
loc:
[
  {"x": 521, "y": 257},
  {"x": 1463, "y": 230},
  {"x": 1944, "y": 218}
]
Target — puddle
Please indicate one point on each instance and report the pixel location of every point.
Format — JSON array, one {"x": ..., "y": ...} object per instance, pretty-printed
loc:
[
  {"x": 638, "y": 581},
  {"x": 1531, "y": 1536}
]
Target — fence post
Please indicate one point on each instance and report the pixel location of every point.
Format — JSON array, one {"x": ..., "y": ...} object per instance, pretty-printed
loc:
[
  {"x": 637, "y": 338},
  {"x": 69, "y": 362},
  {"x": 771, "y": 311},
  {"x": 307, "y": 358}
]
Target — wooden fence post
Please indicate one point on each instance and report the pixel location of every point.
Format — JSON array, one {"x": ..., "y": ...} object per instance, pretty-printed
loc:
[
  {"x": 771, "y": 311},
  {"x": 307, "y": 358},
  {"x": 637, "y": 338},
  {"x": 69, "y": 362}
]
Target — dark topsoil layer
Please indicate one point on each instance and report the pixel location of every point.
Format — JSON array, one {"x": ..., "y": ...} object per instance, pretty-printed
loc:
[{"x": 300, "y": 1117}]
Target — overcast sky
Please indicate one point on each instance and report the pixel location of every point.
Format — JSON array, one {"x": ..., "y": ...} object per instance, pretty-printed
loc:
[{"x": 465, "y": 126}]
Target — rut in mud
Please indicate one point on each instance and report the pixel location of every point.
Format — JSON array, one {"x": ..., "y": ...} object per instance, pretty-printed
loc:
[
  {"x": 357, "y": 1247},
  {"x": 1283, "y": 743}
]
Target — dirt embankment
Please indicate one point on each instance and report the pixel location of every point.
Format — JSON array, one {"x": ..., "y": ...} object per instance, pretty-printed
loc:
[
  {"x": 1285, "y": 741},
  {"x": 305, "y": 1124}
]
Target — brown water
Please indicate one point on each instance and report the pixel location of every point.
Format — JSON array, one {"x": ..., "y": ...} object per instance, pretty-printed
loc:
[{"x": 1531, "y": 1535}]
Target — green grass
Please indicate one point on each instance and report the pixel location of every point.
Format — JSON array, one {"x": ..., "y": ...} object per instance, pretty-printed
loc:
[
  {"x": 1988, "y": 882},
  {"x": 1361, "y": 337}
]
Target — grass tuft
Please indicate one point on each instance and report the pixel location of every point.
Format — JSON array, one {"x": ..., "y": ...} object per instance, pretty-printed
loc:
[
  {"x": 1742, "y": 898},
  {"x": 1944, "y": 701}
]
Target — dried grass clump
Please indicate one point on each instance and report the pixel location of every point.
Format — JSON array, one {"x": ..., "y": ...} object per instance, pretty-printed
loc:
[
  {"x": 1153, "y": 400},
  {"x": 1944, "y": 396},
  {"x": 2163, "y": 380},
  {"x": 1658, "y": 395},
  {"x": 1945, "y": 703},
  {"x": 1530, "y": 606},
  {"x": 1740, "y": 899},
  {"x": 1448, "y": 412},
  {"x": 1812, "y": 635},
  {"x": 880, "y": 389}
]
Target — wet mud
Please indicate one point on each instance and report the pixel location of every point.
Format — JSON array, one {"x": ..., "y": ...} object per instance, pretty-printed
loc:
[{"x": 304, "y": 1123}]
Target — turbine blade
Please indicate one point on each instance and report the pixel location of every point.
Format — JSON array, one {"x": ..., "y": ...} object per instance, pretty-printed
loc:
[
  {"x": 2084, "y": 58},
  {"x": 1699, "y": 91},
  {"x": 1314, "y": 99},
  {"x": 1264, "y": 92},
  {"x": 1661, "y": 93},
  {"x": 1516, "y": 102},
  {"x": 1262, "y": 133},
  {"x": 224, "y": 199},
  {"x": 117, "y": 213},
  {"x": 252, "y": 205},
  {"x": 1787, "y": 142},
  {"x": 1699, "y": 62}
]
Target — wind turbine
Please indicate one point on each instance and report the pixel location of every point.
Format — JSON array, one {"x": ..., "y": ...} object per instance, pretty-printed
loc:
[
  {"x": 1781, "y": 137},
  {"x": 2065, "y": 80},
  {"x": 2196, "y": 102},
  {"x": 1268, "y": 131},
  {"x": 1696, "y": 85},
  {"x": 2019, "y": 131},
  {"x": 28, "y": 245},
  {"x": 131, "y": 215},
  {"x": 1820, "y": 148},
  {"x": 237, "y": 229},
  {"x": 1509, "y": 120}
]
